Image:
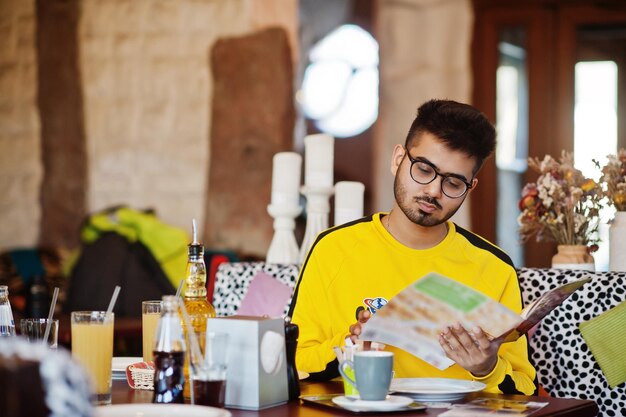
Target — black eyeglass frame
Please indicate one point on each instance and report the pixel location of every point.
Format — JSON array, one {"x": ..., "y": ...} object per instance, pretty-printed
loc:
[{"x": 468, "y": 185}]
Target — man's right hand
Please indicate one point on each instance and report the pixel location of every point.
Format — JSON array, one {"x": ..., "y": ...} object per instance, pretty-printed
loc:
[{"x": 355, "y": 330}]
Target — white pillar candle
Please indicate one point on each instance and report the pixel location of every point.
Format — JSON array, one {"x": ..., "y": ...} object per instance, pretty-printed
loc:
[
  {"x": 348, "y": 201},
  {"x": 318, "y": 160},
  {"x": 286, "y": 170}
]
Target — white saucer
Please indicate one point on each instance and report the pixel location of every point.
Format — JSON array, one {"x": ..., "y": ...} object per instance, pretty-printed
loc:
[
  {"x": 159, "y": 410},
  {"x": 392, "y": 402}
]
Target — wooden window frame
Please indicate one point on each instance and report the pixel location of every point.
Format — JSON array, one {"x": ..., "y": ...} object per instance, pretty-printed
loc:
[{"x": 551, "y": 27}]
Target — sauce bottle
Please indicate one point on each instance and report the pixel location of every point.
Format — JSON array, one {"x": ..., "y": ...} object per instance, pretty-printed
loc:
[{"x": 198, "y": 308}]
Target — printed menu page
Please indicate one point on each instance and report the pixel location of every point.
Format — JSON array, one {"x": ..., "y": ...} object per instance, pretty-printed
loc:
[
  {"x": 413, "y": 319},
  {"x": 494, "y": 407}
]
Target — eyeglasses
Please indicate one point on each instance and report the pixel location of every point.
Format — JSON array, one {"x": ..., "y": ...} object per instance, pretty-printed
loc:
[{"x": 424, "y": 172}]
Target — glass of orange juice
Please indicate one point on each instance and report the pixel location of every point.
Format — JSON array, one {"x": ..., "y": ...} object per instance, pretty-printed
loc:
[
  {"x": 150, "y": 313},
  {"x": 92, "y": 346}
]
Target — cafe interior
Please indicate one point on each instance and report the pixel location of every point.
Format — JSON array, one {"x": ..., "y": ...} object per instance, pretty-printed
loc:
[{"x": 131, "y": 129}]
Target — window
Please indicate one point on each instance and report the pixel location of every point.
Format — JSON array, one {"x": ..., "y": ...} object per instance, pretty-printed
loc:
[
  {"x": 564, "y": 43},
  {"x": 340, "y": 87},
  {"x": 512, "y": 145},
  {"x": 595, "y": 130}
]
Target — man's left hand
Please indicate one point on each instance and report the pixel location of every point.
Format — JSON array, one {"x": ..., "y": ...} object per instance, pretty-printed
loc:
[{"x": 472, "y": 350}]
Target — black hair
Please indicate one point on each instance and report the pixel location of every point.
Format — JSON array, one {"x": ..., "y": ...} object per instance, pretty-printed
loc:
[{"x": 459, "y": 126}]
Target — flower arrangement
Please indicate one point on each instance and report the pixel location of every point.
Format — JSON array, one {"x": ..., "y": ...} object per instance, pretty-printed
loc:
[
  {"x": 614, "y": 179},
  {"x": 562, "y": 206}
]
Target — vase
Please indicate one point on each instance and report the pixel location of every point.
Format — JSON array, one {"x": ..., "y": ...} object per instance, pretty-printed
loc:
[
  {"x": 617, "y": 242},
  {"x": 573, "y": 257}
]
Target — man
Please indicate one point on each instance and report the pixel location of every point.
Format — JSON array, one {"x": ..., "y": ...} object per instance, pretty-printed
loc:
[{"x": 359, "y": 266}]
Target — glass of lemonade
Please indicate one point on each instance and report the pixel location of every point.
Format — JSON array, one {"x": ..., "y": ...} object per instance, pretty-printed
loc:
[
  {"x": 150, "y": 313},
  {"x": 92, "y": 346}
]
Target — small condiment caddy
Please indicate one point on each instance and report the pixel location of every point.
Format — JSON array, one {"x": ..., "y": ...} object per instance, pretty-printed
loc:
[{"x": 140, "y": 375}]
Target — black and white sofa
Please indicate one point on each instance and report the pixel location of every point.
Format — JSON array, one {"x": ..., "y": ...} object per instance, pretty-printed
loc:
[
  {"x": 232, "y": 281},
  {"x": 564, "y": 363}
]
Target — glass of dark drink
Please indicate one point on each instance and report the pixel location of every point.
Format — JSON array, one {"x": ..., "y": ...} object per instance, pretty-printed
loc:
[
  {"x": 208, "y": 392},
  {"x": 208, "y": 379}
]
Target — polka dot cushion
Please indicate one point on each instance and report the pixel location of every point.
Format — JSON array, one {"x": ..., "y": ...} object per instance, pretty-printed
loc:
[
  {"x": 564, "y": 363},
  {"x": 233, "y": 279}
]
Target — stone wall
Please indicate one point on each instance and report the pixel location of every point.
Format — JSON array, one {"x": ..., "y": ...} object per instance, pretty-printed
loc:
[
  {"x": 253, "y": 119},
  {"x": 148, "y": 93},
  {"x": 63, "y": 142},
  {"x": 20, "y": 156},
  {"x": 145, "y": 85},
  {"x": 424, "y": 54}
]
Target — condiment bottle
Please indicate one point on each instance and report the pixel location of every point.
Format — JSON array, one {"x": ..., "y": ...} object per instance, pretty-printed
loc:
[
  {"x": 291, "y": 344},
  {"x": 169, "y": 354},
  {"x": 198, "y": 308},
  {"x": 7, "y": 326}
]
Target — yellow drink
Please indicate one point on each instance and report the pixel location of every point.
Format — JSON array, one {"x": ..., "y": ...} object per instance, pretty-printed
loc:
[
  {"x": 199, "y": 311},
  {"x": 92, "y": 346},
  {"x": 151, "y": 312}
]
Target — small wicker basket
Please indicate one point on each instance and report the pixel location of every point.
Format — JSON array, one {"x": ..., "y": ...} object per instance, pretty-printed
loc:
[{"x": 143, "y": 378}]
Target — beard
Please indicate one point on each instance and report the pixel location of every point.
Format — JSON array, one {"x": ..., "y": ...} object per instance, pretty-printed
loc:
[{"x": 416, "y": 215}]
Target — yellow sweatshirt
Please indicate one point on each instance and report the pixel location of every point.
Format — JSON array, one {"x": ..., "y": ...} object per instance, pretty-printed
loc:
[{"x": 361, "y": 264}]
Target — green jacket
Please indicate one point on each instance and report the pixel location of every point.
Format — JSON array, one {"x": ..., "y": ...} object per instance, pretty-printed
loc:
[{"x": 168, "y": 244}]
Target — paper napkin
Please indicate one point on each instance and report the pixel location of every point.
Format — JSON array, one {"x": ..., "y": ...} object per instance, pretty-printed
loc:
[{"x": 606, "y": 337}]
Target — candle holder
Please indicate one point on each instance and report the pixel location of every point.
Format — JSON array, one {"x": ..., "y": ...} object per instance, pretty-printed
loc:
[
  {"x": 317, "y": 211},
  {"x": 283, "y": 248},
  {"x": 348, "y": 201}
]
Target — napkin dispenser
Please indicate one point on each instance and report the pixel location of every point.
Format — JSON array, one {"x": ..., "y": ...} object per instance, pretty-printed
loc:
[{"x": 256, "y": 377}]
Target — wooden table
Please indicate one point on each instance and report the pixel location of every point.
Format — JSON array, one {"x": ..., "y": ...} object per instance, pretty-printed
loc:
[{"x": 122, "y": 394}]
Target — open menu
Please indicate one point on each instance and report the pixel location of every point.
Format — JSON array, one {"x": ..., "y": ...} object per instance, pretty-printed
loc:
[
  {"x": 414, "y": 318},
  {"x": 488, "y": 407}
]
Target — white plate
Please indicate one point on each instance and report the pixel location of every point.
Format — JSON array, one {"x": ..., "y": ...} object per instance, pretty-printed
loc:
[
  {"x": 159, "y": 410},
  {"x": 435, "y": 389},
  {"x": 393, "y": 402},
  {"x": 119, "y": 363}
]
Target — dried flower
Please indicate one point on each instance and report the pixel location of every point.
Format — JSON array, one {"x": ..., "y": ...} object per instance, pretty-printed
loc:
[
  {"x": 613, "y": 179},
  {"x": 562, "y": 206}
]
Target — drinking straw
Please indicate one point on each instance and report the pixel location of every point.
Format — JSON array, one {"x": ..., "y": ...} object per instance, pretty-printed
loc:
[
  {"x": 46, "y": 333},
  {"x": 338, "y": 354},
  {"x": 348, "y": 352},
  {"x": 193, "y": 340},
  {"x": 116, "y": 292},
  {"x": 180, "y": 287}
]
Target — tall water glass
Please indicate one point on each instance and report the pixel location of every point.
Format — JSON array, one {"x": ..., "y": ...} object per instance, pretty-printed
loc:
[
  {"x": 92, "y": 346},
  {"x": 150, "y": 313}
]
